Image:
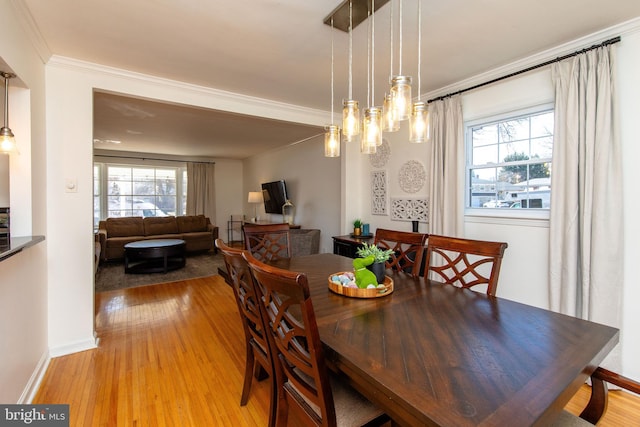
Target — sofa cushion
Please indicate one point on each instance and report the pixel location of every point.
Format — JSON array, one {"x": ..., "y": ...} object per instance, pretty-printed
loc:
[
  {"x": 154, "y": 225},
  {"x": 122, "y": 227},
  {"x": 191, "y": 223}
]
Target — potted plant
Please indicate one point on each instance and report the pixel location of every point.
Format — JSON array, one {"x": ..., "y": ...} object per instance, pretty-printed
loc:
[
  {"x": 357, "y": 227},
  {"x": 380, "y": 258}
]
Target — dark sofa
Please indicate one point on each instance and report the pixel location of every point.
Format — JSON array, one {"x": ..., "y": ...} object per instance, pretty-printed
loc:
[{"x": 196, "y": 230}]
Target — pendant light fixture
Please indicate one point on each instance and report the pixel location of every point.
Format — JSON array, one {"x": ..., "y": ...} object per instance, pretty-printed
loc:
[
  {"x": 332, "y": 132},
  {"x": 7, "y": 140},
  {"x": 419, "y": 128},
  {"x": 389, "y": 122},
  {"x": 401, "y": 85},
  {"x": 372, "y": 123},
  {"x": 350, "y": 110}
]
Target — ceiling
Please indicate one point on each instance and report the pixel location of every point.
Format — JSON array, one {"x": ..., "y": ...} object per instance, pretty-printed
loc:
[{"x": 280, "y": 50}]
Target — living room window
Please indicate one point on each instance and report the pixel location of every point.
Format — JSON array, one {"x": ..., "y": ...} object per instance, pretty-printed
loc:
[
  {"x": 509, "y": 162},
  {"x": 129, "y": 190}
]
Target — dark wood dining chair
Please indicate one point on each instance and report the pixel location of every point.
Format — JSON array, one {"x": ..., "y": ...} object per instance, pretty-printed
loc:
[
  {"x": 464, "y": 262},
  {"x": 268, "y": 242},
  {"x": 259, "y": 362},
  {"x": 597, "y": 405},
  {"x": 408, "y": 249},
  {"x": 308, "y": 394}
]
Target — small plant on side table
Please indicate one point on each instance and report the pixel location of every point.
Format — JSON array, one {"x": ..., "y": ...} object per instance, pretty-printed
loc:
[{"x": 357, "y": 227}]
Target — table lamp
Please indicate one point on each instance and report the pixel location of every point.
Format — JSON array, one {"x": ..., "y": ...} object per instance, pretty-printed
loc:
[{"x": 255, "y": 197}]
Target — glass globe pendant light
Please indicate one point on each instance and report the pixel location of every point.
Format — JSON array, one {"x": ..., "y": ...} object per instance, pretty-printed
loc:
[
  {"x": 7, "y": 139},
  {"x": 419, "y": 128},
  {"x": 401, "y": 86},
  {"x": 372, "y": 122},
  {"x": 350, "y": 110},
  {"x": 332, "y": 132},
  {"x": 389, "y": 122}
]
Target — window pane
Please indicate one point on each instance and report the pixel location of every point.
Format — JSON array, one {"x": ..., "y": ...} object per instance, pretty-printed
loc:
[
  {"x": 485, "y": 135},
  {"x": 141, "y": 191},
  {"x": 542, "y": 148},
  {"x": 514, "y": 130},
  {"x": 521, "y": 146},
  {"x": 485, "y": 155},
  {"x": 542, "y": 125},
  {"x": 514, "y": 151}
]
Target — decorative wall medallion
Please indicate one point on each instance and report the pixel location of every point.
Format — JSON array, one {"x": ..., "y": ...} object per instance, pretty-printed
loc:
[
  {"x": 379, "y": 193},
  {"x": 380, "y": 158},
  {"x": 409, "y": 209},
  {"x": 412, "y": 176}
]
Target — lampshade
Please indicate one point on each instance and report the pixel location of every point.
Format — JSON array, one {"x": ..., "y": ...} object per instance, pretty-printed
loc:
[
  {"x": 255, "y": 197},
  {"x": 7, "y": 139},
  {"x": 401, "y": 96},
  {"x": 419, "y": 130},
  {"x": 350, "y": 119},
  {"x": 332, "y": 141},
  {"x": 371, "y": 130},
  {"x": 389, "y": 122}
]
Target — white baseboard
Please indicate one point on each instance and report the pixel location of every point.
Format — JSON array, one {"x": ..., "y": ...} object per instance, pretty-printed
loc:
[{"x": 33, "y": 384}]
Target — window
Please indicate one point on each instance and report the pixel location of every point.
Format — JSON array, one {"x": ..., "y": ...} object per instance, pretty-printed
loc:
[
  {"x": 509, "y": 162},
  {"x": 124, "y": 190}
]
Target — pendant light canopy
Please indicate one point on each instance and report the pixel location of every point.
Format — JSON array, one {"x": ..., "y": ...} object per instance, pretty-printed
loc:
[{"x": 7, "y": 139}]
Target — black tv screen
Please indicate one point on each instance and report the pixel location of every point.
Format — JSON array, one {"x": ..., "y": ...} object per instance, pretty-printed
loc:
[{"x": 274, "y": 195}]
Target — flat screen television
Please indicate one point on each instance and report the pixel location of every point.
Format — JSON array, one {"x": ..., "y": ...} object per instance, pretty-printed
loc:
[{"x": 274, "y": 195}]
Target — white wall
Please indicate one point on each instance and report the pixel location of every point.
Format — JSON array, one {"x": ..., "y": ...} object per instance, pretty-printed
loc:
[
  {"x": 23, "y": 280},
  {"x": 71, "y": 84},
  {"x": 313, "y": 185},
  {"x": 4, "y": 181},
  {"x": 525, "y": 268}
]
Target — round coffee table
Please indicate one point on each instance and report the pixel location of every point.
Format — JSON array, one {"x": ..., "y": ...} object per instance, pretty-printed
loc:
[{"x": 154, "y": 256}]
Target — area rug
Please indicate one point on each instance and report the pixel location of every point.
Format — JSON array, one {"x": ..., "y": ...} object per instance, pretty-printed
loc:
[{"x": 110, "y": 275}]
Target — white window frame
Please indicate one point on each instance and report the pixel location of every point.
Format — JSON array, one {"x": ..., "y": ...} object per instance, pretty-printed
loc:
[
  {"x": 476, "y": 214},
  {"x": 103, "y": 167}
]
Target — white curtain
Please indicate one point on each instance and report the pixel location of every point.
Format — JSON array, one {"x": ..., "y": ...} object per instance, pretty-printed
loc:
[
  {"x": 446, "y": 167},
  {"x": 586, "y": 234},
  {"x": 201, "y": 196}
]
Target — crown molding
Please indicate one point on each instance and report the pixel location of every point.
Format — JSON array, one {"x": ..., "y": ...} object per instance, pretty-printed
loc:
[
  {"x": 32, "y": 31},
  {"x": 222, "y": 100},
  {"x": 624, "y": 29}
]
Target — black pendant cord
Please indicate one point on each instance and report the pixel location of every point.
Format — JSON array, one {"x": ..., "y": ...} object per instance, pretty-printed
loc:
[{"x": 526, "y": 70}]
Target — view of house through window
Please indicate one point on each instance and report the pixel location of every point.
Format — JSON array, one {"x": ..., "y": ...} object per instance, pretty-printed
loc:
[
  {"x": 509, "y": 162},
  {"x": 122, "y": 190}
]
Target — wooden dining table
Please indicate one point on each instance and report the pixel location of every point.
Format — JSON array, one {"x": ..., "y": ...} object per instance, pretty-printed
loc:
[{"x": 434, "y": 354}]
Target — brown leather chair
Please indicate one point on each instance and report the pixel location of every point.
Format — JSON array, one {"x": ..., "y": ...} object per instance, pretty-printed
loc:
[
  {"x": 268, "y": 242},
  {"x": 456, "y": 261},
  {"x": 258, "y": 356},
  {"x": 308, "y": 394},
  {"x": 408, "y": 249},
  {"x": 597, "y": 405}
]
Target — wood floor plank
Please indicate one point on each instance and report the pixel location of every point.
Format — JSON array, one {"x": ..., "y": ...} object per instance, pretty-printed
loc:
[{"x": 173, "y": 355}]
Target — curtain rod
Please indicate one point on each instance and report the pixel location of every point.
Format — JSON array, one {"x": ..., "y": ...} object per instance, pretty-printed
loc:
[
  {"x": 534, "y": 67},
  {"x": 151, "y": 158}
]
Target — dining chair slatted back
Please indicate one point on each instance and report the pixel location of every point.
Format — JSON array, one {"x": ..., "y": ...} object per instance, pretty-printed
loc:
[
  {"x": 597, "y": 405},
  {"x": 307, "y": 391},
  {"x": 268, "y": 242},
  {"x": 408, "y": 249},
  {"x": 464, "y": 262},
  {"x": 258, "y": 353}
]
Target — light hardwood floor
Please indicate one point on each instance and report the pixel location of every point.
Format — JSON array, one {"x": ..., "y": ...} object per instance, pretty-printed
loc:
[{"x": 173, "y": 355}]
